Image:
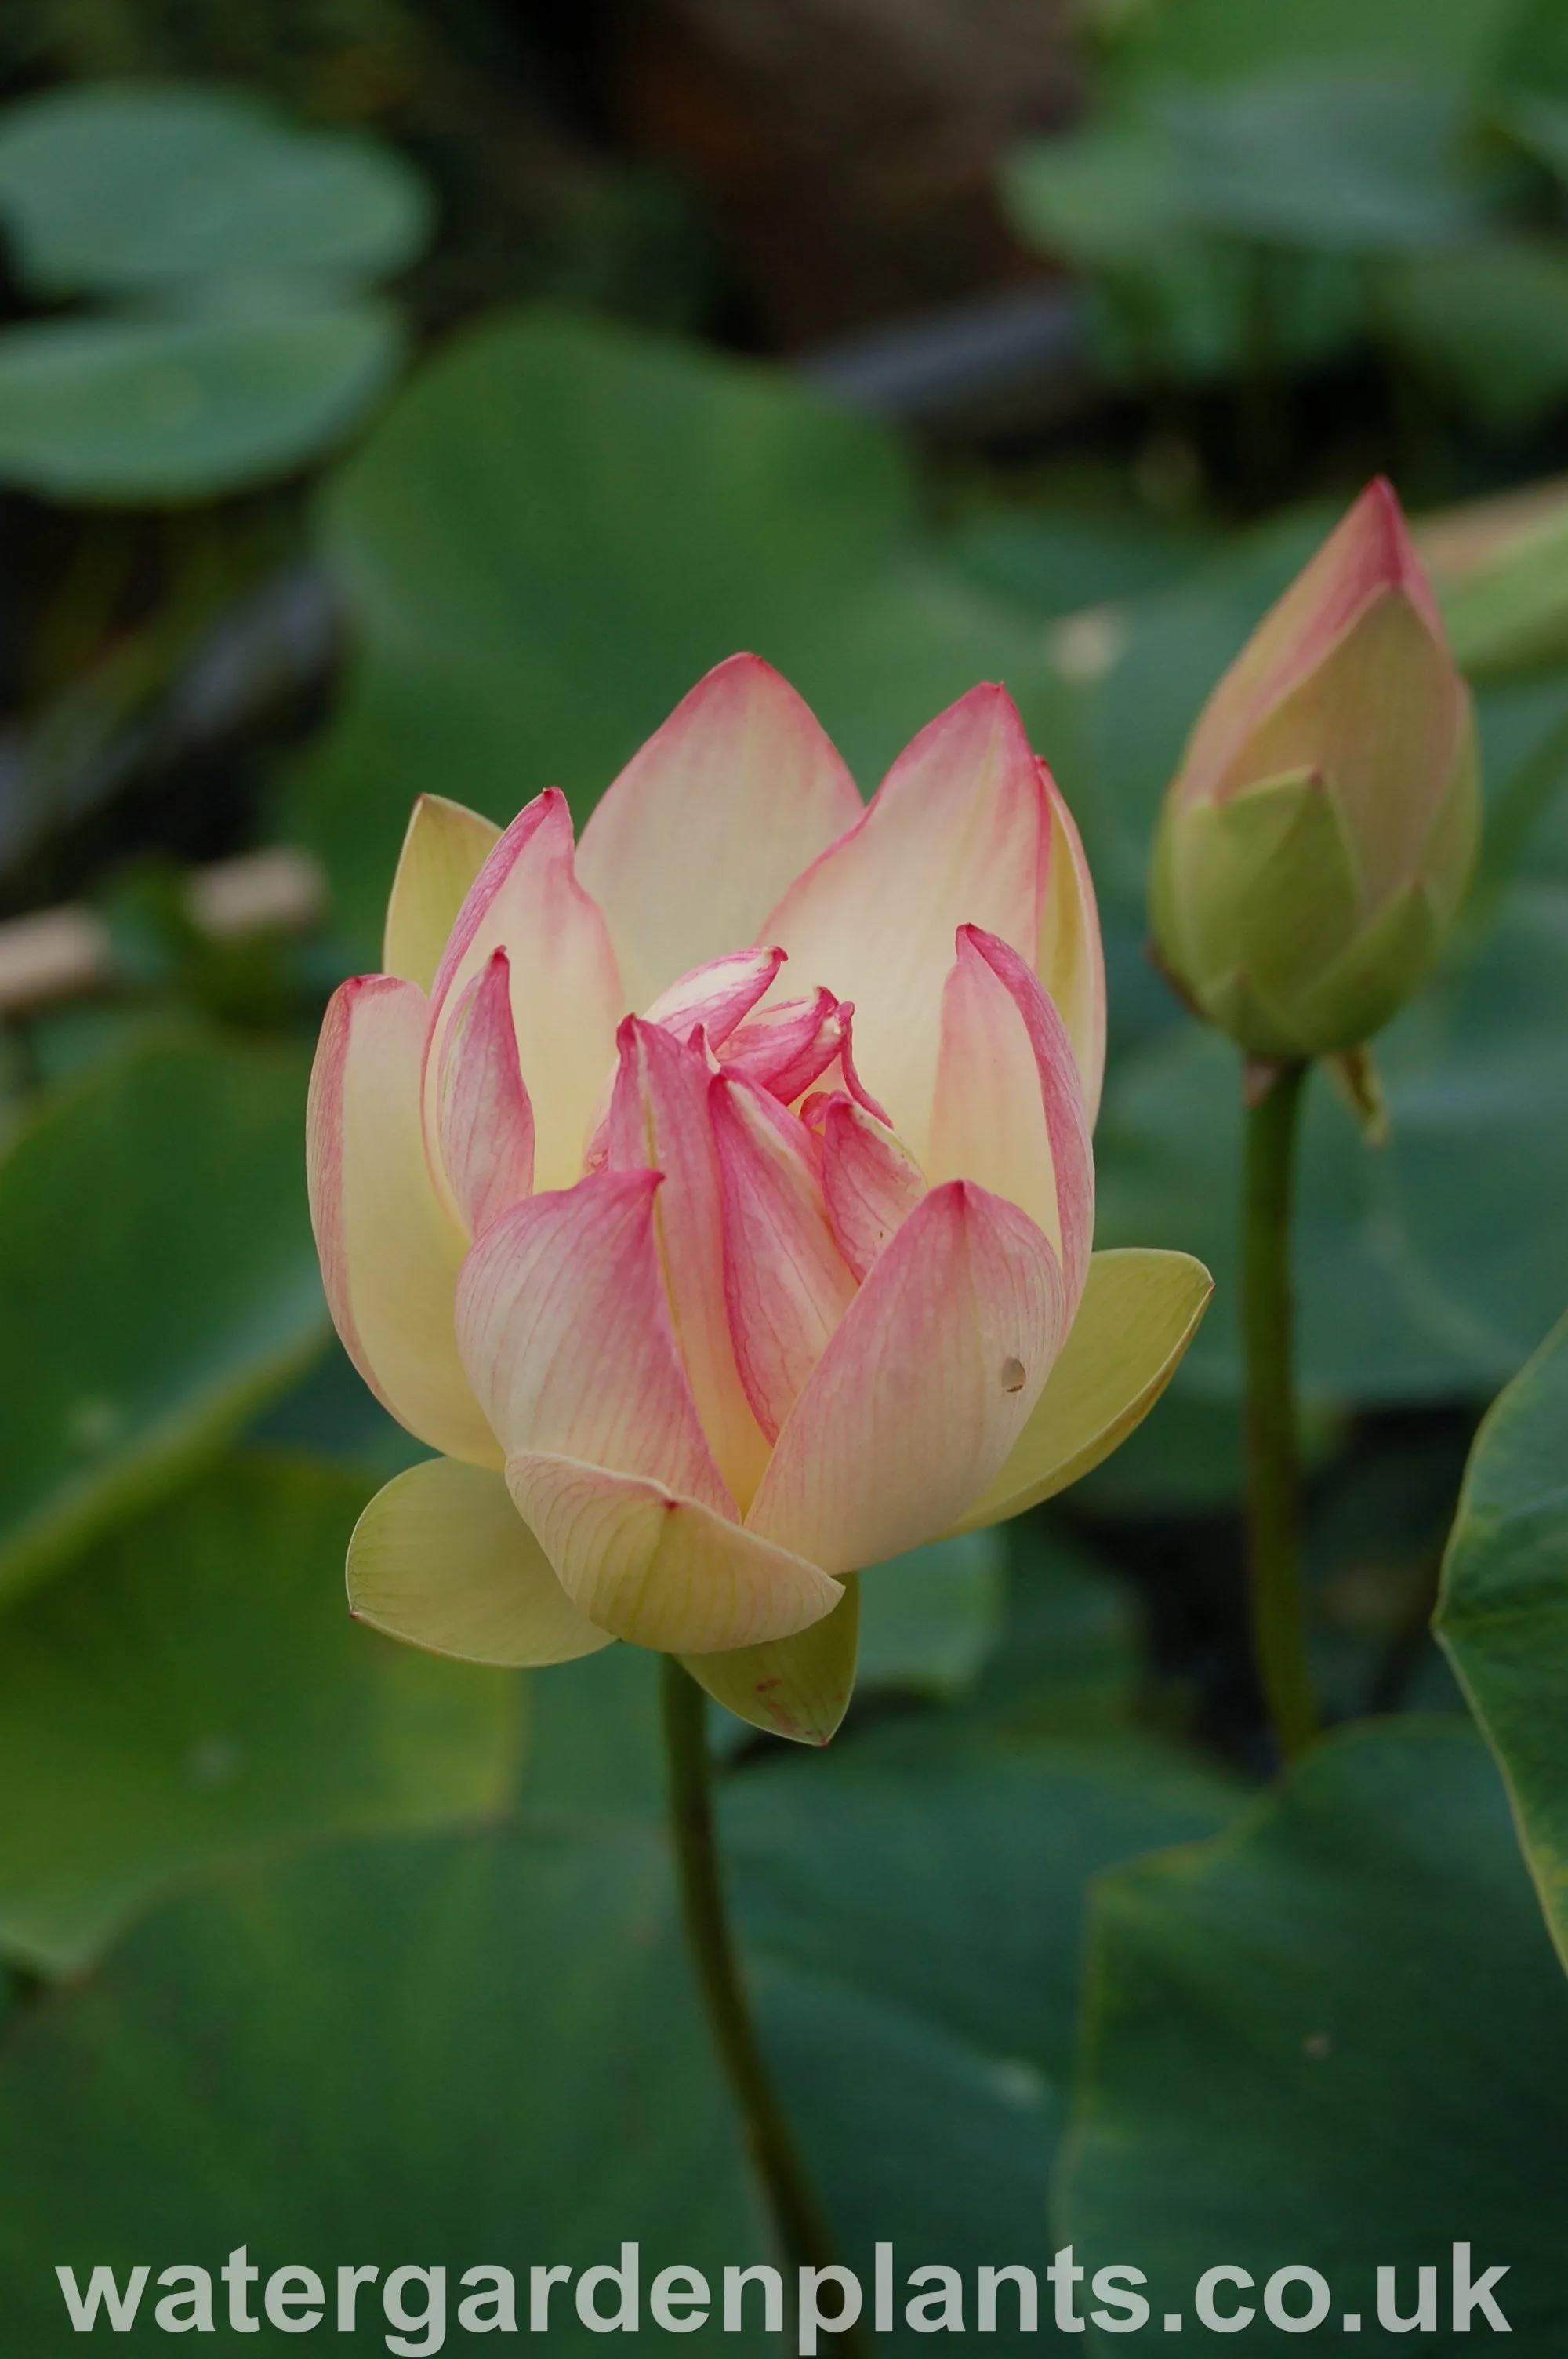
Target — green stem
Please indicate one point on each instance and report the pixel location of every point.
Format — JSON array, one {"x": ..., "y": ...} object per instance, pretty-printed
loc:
[
  {"x": 800, "y": 2231},
  {"x": 1273, "y": 1474}
]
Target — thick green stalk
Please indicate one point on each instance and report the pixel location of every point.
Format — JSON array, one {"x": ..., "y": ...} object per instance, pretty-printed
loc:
[
  {"x": 1273, "y": 1473},
  {"x": 802, "y": 2233}
]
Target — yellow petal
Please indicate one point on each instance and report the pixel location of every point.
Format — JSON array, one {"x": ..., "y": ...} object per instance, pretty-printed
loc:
[
  {"x": 443, "y": 851},
  {"x": 1139, "y": 1311},
  {"x": 442, "y": 1560},
  {"x": 799, "y": 1686}
]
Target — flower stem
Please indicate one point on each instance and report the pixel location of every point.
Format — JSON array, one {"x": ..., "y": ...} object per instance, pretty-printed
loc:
[
  {"x": 802, "y": 2233},
  {"x": 1273, "y": 1474}
]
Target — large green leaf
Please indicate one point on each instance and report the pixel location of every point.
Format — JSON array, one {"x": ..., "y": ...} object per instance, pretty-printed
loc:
[
  {"x": 420, "y": 2050},
  {"x": 560, "y": 526},
  {"x": 157, "y": 1282},
  {"x": 1503, "y": 1614},
  {"x": 1336, "y": 2037},
  {"x": 195, "y": 1686}
]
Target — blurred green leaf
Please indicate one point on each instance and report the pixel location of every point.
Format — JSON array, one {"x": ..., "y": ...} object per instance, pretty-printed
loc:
[
  {"x": 157, "y": 1283},
  {"x": 1503, "y": 1616},
  {"x": 1335, "y": 2036},
  {"x": 427, "y": 2049},
  {"x": 1065, "y": 1662},
  {"x": 929, "y": 1619},
  {"x": 1491, "y": 322},
  {"x": 134, "y": 186},
  {"x": 195, "y": 1687},
  {"x": 1214, "y": 40},
  {"x": 560, "y": 526},
  {"x": 177, "y": 408}
]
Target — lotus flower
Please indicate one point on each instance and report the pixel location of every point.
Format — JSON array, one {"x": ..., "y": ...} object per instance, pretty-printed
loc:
[
  {"x": 716, "y": 1198},
  {"x": 1315, "y": 846}
]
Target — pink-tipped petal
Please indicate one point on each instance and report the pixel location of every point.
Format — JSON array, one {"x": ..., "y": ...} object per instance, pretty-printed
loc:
[
  {"x": 486, "y": 1124},
  {"x": 565, "y": 991},
  {"x": 661, "y": 1570},
  {"x": 955, "y": 835},
  {"x": 705, "y": 827},
  {"x": 715, "y": 998},
  {"x": 1008, "y": 1108},
  {"x": 925, "y": 1388},
  {"x": 444, "y": 850},
  {"x": 786, "y": 1282},
  {"x": 868, "y": 1184},
  {"x": 1071, "y": 963},
  {"x": 565, "y": 1334},
  {"x": 785, "y": 1047},
  {"x": 390, "y": 1250},
  {"x": 659, "y": 1121}
]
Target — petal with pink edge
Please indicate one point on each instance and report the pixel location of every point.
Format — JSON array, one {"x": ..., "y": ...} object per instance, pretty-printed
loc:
[
  {"x": 868, "y": 1184},
  {"x": 925, "y": 1388},
  {"x": 956, "y": 836},
  {"x": 390, "y": 1250},
  {"x": 442, "y": 1560},
  {"x": 659, "y": 1121},
  {"x": 716, "y": 996},
  {"x": 444, "y": 850},
  {"x": 661, "y": 1570},
  {"x": 485, "y": 1120},
  {"x": 787, "y": 1286},
  {"x": 799, "y": 1686},
  {"x": 705, "y": 827},
  {"x": 1009, "y": 1109},
  {"x": 565, "y": 1334},
  {"x": 1139, "y": 1311},
  {"x": 565, "y": 991},
  {"x": 785, "y": 1047},
  {"x": 1071, "y": 962}
]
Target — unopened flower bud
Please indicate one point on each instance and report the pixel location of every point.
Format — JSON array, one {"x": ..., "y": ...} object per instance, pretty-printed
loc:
[{"x": 1317, "y": 840}]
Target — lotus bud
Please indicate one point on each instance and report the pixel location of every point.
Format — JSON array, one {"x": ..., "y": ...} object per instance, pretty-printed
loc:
[{"x": 1317, "y": 840}]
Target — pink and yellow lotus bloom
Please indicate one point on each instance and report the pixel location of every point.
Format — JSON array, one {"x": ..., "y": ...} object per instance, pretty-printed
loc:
[{"x": 717, "y": 1196}]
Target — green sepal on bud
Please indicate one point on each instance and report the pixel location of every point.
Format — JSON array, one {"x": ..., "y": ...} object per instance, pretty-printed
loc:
[{"x": 1315, "y": 846}]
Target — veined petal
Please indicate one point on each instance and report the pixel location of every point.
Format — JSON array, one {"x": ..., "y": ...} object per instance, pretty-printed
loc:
[
  {"x": 565, "y": 1333},
  {"x": 956, "y": 836},
  {"x": 485, "y": 1122},
  {"x": 923, "y": 1389},
  {"x": 799, "y": 1686},
  {"x": 442, "y": 1560},
  {"x": 565, "y": 991},
  {"x": 1008, "y": 1108},
  {"x": 444, "y": 850},
  {"x": 787, "y": 1286},
  {"x": 1139, "y": 1311},
  {"x": 716, "y": 996},
  {"x": 390, "y": 1250},
  {"x": 661, "y": 1570},
  {"x": 705, "y": 827},
  {"x": 785, "y": 1047},
  {"x": 868, "y": 1184},
  {"x": 659, "y": 1121},
  {"x": 1071, "y": 963}
]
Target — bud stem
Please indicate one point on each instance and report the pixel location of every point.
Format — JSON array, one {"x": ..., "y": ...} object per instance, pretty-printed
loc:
[
  {"x": 798, "y": 2224},
  {"x": 1273, "y": 1473}
]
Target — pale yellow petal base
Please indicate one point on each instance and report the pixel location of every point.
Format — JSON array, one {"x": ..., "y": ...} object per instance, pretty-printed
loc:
[
  {"x": 799, "y": 1686},
  {"x": 1140, "y": 1310}
]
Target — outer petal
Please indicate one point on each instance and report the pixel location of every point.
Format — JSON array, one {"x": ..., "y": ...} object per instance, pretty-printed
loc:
[
  {"x": 707, "y": 824},
  {"x": 565, "y": 992},
  {"x": 443, "y": 851},
  {"x": 1008, "y": 1108},
  {"x": 565, "y": 1333},
  {"x": 787, "y": 1286},
  {"x": 1139, "y": 1311},
  {"x": 799, "y": 1686},
  {"x": 925, "y": 1388},
  {"x": 660, "y": 1570},
  {"x": 868, "y": 1184},
  {"x": 659, "y": 1121},
  {"x": 1071, "y": 963},
  {"x": 442, "y": 1560},
  {"x": 717, "y": 995},
  {"x": 956, "y": 836},
  {"x": 485, "y": 1121},
  {"x": 390, "y": 1251}
]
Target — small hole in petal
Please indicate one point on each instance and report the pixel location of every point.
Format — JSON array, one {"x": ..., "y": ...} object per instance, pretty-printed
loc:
[{"x": 1013, "y": 1376}]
